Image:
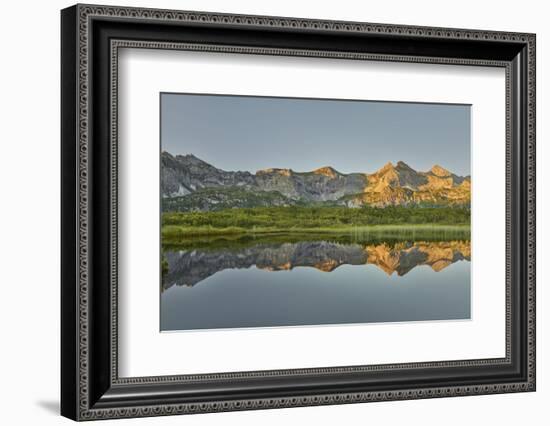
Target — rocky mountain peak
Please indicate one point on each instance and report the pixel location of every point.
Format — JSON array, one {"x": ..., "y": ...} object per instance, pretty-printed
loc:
[
  {"x": 400, "y": 175},
  {"x": 188, "y": 157},
  {"x": 403, "y": 166},
  {"x": 440, "y": 171},
  {"x": 399, "y": 167},
  {"x": 282, "y": 172},
  {"x": 386, "y": 168},
  {"x": 327, "y": 171}
]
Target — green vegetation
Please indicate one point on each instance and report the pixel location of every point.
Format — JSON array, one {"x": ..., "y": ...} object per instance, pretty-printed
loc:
[
  {"x": 318, "y": 217},
  {"x": 389, "y": 222},
  {"x": 164, "y": 265}
]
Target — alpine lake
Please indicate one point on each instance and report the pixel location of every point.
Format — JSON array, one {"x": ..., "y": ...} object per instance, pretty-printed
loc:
[{"x": 307, "y": 279}]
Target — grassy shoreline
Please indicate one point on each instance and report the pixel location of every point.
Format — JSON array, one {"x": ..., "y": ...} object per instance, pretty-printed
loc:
[
  {"x": 395, "y": 221},
  {"x": 176, "y": 232}
]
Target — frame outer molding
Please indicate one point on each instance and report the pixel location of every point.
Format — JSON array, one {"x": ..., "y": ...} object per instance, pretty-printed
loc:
[{"x": 76, "y": 402}]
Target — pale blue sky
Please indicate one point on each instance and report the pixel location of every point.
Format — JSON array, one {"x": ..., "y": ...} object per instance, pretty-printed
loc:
[{"x": 252, "y": 133}]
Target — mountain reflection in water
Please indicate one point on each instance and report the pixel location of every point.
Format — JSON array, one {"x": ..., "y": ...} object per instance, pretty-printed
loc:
[
  {"x": 286, "y": 280},
  {"x": 189, "y": 265}
]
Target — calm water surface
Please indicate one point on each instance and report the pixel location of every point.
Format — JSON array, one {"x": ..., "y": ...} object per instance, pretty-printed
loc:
[{"x": 259, "y": 283}]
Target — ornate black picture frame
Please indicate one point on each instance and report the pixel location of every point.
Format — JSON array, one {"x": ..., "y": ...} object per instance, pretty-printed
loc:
[{"x": 90, "y": 38}]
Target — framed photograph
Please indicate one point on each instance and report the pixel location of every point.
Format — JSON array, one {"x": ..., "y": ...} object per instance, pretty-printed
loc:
[{"x": 263, "y": 212}]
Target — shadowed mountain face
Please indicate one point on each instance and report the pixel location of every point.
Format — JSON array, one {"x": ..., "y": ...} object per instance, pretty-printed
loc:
[
  {"x": 190, "y": 184},
  {"x": 189, "y": 267}
]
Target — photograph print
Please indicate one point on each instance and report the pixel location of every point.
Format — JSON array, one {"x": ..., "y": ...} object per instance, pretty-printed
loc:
[{"x": 280, "y": 212}]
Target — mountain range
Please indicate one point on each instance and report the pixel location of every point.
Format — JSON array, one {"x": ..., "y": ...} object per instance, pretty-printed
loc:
[{"x": 191, "y": 184}]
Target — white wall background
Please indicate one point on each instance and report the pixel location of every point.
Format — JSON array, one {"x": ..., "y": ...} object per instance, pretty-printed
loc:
[{"x": 29, "y": 225}]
